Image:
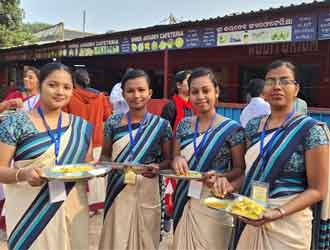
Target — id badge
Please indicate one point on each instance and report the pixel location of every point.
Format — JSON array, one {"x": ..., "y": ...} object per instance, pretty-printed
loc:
[
  {"x": 195, "y": 189},
  {"x": 57, "y": 191},
  {"x": 260, "y": 192},
  {"x": 130, "y": 177}
]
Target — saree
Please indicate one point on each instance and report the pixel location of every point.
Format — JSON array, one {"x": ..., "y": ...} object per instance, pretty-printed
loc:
[
  {"x": 132, "y": 213},
  {"x": 282, "y": 233},
  {"x": 33, "y": 222},
  {"x": 195, "y": 225}
]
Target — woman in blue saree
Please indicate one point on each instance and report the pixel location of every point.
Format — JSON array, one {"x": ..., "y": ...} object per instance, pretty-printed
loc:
[
  {"x": 132, "y": 216},
  {"x": 289, "y": 152},
  {"x": 208, "y": 142},
  {"x": 42, "y": 215}
]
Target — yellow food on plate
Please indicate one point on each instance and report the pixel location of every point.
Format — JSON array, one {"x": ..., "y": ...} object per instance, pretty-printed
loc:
[
  {"x": 216, "y": 203},
  {"x": 72, "y": 169},
  {"x": 246, "y": 207},
  {"x": 192, "y": 174}
]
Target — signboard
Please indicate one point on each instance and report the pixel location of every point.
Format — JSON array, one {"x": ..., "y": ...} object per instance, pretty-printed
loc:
[
  {"x": 324, "y": 26},
  {"x": 304, "y": 28},
  {"x": 279, "y": 30},
  {"x": 107, "y": 47},
  {"x": 158, "y": 41}
]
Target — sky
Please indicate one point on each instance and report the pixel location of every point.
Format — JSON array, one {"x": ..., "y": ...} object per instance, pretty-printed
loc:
[{"x": 105, "y": 15}]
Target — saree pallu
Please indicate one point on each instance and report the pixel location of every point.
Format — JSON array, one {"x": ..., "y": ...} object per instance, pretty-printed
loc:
[
  {"x": 195, "y": 225},
  {"x": 268, "y": 170},
  {"x": 201, "y": 227},
  {"x": 32, "y": 221},
  {"x": 132, "y": 213}
]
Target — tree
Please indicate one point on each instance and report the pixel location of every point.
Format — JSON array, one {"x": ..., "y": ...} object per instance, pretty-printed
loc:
[
  {"x": 12, "y": 30},
  {"x": 36, "y": 27}
]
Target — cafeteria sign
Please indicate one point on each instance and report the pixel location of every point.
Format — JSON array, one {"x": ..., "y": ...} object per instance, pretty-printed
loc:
[{"x": 158, "y": 41}]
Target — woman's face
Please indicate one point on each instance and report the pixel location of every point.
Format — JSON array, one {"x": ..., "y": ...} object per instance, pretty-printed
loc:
[
  {"x": 183, "y": 87},
  {"x": 280, "y": 88},
  {"x": 56, "y": 89},
  {"x": 137, "y": 93},
  {"x": 31, "y": 82},
  {"x": 203, "y": 94}
]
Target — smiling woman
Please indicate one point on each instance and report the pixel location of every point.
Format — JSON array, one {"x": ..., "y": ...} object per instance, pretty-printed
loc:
[
  {"x": 289, "y": 152},
  {"x": 32, "y": 140}
]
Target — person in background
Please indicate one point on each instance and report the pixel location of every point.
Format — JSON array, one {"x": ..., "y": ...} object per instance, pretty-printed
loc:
[
  {"x": 179, "y": 107},
  {"x": 30, "y": 96},
  {"x": 37, "y": 217},
  {"x": 257, "y": 105},
  {"x": 300, "y": 106},
  {"x": 95, "y": 108},
  {"x": 117, "y": 100},
  {"x": 132, "y": 214}
]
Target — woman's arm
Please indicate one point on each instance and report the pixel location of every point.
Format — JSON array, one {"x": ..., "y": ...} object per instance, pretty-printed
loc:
[
  {"x": 317, "y": 167},
  {"x": 179, "y": 163},
  {"x": 230, "y": 181},
  {"x": 10, "y": 175}
]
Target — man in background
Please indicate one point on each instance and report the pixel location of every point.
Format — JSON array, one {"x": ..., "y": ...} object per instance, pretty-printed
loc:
[{"x": 257, "y": 105}]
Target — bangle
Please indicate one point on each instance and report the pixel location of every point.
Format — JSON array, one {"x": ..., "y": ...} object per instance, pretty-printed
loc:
[
  {"x": 281, "y": 210},
  {"x": 17, "y": 174}
]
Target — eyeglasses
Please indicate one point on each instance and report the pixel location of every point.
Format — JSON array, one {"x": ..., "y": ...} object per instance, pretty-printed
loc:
[{"x": 281, "y": 81}]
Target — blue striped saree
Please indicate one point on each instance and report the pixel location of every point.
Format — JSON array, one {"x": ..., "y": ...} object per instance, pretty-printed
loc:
[
  {"x": 196, "y": 226},
  {"x": 32, "y": 221},
  {"x": 214, "y": 141},
  {"x": 132, "y": 212},
  {"x": 294, "y": 231}
]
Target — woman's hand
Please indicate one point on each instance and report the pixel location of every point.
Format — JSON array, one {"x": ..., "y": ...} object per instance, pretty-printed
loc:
[
  {"x": 153, "y": 170},
  {"x": 268, "y": 216},
  {"x": 33, "y": 176},
  {"x": 15, "y": 103},
  {"x": 221, "y": 187},
  {"x": 180, "y": 165}
]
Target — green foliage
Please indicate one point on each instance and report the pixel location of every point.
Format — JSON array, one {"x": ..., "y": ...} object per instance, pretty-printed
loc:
[
  {"x": 12, "y": 30},
  {"x": 36, "y": 27}
]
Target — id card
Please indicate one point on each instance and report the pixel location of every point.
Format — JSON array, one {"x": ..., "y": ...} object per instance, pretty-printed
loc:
[
  {"x": 195, "y": 189},
  {"x": 260, "y": 191},
  {"x": 57, "y": 191},
  {"x": 130, "y": 177}
]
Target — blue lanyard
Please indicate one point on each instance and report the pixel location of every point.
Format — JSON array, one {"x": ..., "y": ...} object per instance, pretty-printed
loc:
[
  {"x": 202, "y": 143},
  {"x": 263, "y": 135},
  {"x": 56, "y": 140},
  {"x": 133, "y": 140}
]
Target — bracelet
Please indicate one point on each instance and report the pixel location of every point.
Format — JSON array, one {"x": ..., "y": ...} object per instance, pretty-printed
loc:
[
  {"x": 17, "y": 173},
  {"x": 281, "y": 210}
]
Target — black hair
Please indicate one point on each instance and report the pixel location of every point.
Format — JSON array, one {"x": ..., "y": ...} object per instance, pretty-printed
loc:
[
  {"x": 132, "y": 74},
  {"x": 81, "y": 77},
  {"x": 199, "y": 72},
  {"x": 279, "y": 63},
  {"x": 49, "y": 68},
  {"x": 33, "y": 69},
  {"x": 255, "y": 87},
  {"x": 179, "y": 78}
]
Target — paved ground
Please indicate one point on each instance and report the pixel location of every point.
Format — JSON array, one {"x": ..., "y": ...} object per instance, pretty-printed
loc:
[{"x": 94, "y": 234}]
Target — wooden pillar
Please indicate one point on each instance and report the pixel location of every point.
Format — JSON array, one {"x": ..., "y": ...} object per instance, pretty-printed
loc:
[{"x": 165, "y": 89}]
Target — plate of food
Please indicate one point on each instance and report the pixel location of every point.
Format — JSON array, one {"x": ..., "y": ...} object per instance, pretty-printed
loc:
[
  {"x": 238, "y": 205},
  {"x": 75, "y": 172},
  {"x": 191, "y": 175}
]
